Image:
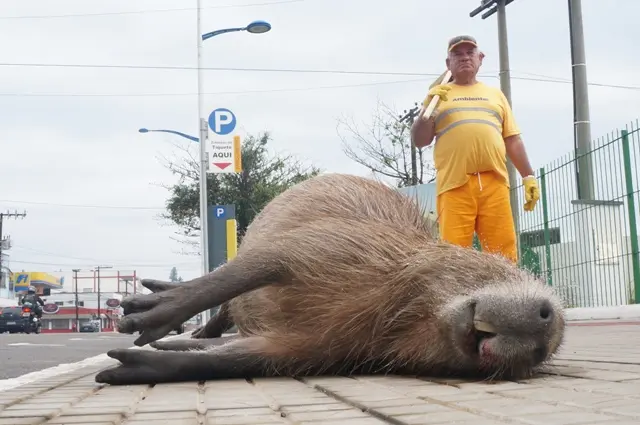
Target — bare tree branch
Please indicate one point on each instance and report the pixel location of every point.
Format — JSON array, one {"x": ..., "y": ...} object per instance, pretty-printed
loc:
[{"x": 384, "y": 147}]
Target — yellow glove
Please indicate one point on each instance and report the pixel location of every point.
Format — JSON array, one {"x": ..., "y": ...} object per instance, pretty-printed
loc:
[
  {"x": 531, "y": 192},
  {"x": 437, "y": 90}
]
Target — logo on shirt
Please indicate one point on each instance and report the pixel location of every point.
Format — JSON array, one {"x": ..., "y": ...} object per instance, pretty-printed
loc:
[{"x": 470, "y": 99}]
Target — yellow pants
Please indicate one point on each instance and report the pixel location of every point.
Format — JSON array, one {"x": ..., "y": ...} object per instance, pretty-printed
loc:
[{"x": 481, "y": 205}]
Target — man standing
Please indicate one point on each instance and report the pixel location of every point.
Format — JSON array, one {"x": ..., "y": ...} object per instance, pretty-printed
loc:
[{"x": 474, "y": 130}]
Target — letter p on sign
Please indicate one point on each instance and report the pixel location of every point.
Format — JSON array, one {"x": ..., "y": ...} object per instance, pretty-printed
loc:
[
  {"x": 220, "y": 212},
  {"x": 222, "y": 121}
]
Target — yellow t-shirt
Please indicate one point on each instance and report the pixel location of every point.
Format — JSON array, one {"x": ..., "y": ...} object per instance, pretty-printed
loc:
[{"x": 470, "y": 130}]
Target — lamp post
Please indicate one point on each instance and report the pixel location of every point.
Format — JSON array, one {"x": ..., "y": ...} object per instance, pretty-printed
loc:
[
  {"x": 490, "y": 7},
  {"x": 75, "y": 290},
  {"x": 255, "y": 27},
  {"x": 98, "y": 268}
]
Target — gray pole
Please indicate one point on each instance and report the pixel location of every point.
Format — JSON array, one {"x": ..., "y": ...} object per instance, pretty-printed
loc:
[
  {"x": 203, "y": 127},
  {"x": 99, "y": 312},
  {"x": 505, "y": 86},
  {"x": 490, "y": 7},
  {"x": 75, "y": 276},
  {"x": 581, "y": 121}
]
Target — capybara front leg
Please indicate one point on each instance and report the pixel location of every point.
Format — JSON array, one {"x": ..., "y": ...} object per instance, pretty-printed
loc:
[
  {"x": 243, "y": 358},
  {"x": 155, "y": 315}
]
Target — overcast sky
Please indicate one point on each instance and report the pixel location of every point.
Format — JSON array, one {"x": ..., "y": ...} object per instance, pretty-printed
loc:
[{"x": 69, "y": 136}]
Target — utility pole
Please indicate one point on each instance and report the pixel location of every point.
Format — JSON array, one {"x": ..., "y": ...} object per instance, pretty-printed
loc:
[
  {"x": 410, "y": 116},
  {"x": 75, "y": 278},
  {"x": 490, "y": 7},
  {"x": 98, "y": 268},
  {"x": 581, "y": 120},
  {"x": 7, "y": 214}
]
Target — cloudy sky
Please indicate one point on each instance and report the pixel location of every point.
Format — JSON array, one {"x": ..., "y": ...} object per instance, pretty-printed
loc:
[{"x": 72, "y": 157}]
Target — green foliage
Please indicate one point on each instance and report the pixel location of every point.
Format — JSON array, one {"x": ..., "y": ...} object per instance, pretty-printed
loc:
[
  {"x": 173, "y": 275},
  {"x": 264, "y": 176}
]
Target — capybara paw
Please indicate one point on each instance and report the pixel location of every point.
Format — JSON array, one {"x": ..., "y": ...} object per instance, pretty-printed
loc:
[{"x": 137, "y": 367}]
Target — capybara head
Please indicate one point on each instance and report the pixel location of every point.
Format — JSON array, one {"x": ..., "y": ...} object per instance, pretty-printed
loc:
[{"x": 491, "y": 317}]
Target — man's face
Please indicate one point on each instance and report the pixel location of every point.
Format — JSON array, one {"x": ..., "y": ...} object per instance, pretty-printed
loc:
[{"x": 464, "y": 59}]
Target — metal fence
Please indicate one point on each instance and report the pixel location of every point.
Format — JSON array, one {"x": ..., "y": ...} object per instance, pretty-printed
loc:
[{"x": 587, "y": 249}]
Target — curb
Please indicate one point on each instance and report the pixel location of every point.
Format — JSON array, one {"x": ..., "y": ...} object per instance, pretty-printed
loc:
[{"x": 627, "y": 313}]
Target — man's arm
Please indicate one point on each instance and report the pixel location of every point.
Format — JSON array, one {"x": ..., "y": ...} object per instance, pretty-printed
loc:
[
  {"x": 518, "y": 155},
  {"x": 422, "y": 131}
]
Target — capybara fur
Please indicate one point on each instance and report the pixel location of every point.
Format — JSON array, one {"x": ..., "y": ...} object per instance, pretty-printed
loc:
[{"x": 341, "y": 274}]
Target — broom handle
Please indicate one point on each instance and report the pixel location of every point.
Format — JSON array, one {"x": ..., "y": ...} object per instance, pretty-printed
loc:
[{"x": 434, "y": 101}]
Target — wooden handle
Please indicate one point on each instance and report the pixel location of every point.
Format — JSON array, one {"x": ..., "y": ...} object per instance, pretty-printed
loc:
[{"x": 434, "y": 101}]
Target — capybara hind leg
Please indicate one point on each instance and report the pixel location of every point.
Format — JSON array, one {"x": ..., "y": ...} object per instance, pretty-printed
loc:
[
  {"x": 243, "y": 358},
  {"x": 192, "y": 344},
  {"x": 216, "y": 326},
  {"x": 155, "y": 315}
]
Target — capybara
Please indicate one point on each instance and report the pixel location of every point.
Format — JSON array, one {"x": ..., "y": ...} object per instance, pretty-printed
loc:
[{"x": 341, "y": 275}]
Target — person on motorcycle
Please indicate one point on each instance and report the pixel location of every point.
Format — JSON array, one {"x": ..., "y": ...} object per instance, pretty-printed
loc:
[{"x": 35, "y": 299}]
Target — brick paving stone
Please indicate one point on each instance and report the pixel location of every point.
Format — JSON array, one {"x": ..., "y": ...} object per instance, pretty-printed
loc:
[
  {"x": 594, "y": 380},
  {"x": 86, "y": 419}
]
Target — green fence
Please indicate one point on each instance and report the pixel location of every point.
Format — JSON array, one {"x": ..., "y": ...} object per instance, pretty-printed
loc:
[{"x": 587, "y": 249}]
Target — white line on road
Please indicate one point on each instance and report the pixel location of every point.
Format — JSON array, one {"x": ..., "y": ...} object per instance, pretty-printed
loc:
[
  {"x": 35, "y": 344},
  {"x": 7, "y": 384}
]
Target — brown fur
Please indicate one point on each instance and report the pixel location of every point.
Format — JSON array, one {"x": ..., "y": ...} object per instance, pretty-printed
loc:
[
  {"x": 382, "y": 281},
  {"x": 341, "y": 271}
]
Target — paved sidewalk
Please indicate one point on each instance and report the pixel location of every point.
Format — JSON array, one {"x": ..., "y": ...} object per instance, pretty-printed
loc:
[{"x": 595, "y": 380}]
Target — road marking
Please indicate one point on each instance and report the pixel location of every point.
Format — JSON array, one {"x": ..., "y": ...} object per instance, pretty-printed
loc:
[
  {"x": 39, "y": 375},
  {"x": 17, "y": 344}
]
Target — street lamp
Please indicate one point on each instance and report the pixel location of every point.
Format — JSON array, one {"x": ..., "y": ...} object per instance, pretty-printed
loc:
[
  {"x": 255, "y": 27},
  {"x": 179, "y": 133}
]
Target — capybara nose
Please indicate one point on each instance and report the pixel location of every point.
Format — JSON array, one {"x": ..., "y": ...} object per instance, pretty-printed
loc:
[
  {"x": 545, "y": 312},
  {"x": 540, "y": 315}
]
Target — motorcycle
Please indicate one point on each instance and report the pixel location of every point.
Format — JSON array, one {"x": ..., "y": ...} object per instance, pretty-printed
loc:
[{"x": 33, "y": 323}]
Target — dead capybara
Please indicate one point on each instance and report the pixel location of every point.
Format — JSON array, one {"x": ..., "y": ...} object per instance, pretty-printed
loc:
[{"x": 341, "y": 275}]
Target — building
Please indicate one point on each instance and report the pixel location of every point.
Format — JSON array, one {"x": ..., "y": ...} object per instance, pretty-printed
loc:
[
  {"x": 43, "y": 282},
  {"x": 61, "y": 311}
]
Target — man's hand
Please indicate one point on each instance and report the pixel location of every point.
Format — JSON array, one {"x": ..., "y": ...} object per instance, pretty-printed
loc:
[
  {"x": 531, "y": 192},
  {"x": 438, "y": 90}
]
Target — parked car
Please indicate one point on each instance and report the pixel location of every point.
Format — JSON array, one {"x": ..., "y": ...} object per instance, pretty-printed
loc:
[{"x": 89, "y": 327}]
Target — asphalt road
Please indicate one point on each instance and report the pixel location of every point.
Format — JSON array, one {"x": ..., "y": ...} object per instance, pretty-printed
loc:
[{"x": 21, "y": 353}]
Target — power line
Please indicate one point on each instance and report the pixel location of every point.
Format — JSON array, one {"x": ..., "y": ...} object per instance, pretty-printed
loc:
[
  {"x": 118, "y": 207},
  {"x": 194, "y": 68},
  {"x": 546, "y": 79},
  {"x": 543, "y": 78},
  {"x": 139, "y": 12},
  {"x": 278, "y": 90},
  {"x": 87, "y": 259},
  {"x": 120, "y": 266}
]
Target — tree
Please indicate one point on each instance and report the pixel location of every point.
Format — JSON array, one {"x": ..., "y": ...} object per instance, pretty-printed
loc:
[
  {"x": 263, "y": 177},
  {"x": 173, "y": 276},
  {"x": 385, "y": 148}
]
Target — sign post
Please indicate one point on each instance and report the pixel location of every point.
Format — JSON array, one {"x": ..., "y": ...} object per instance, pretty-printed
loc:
[{"x": 224, "y": 157}]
